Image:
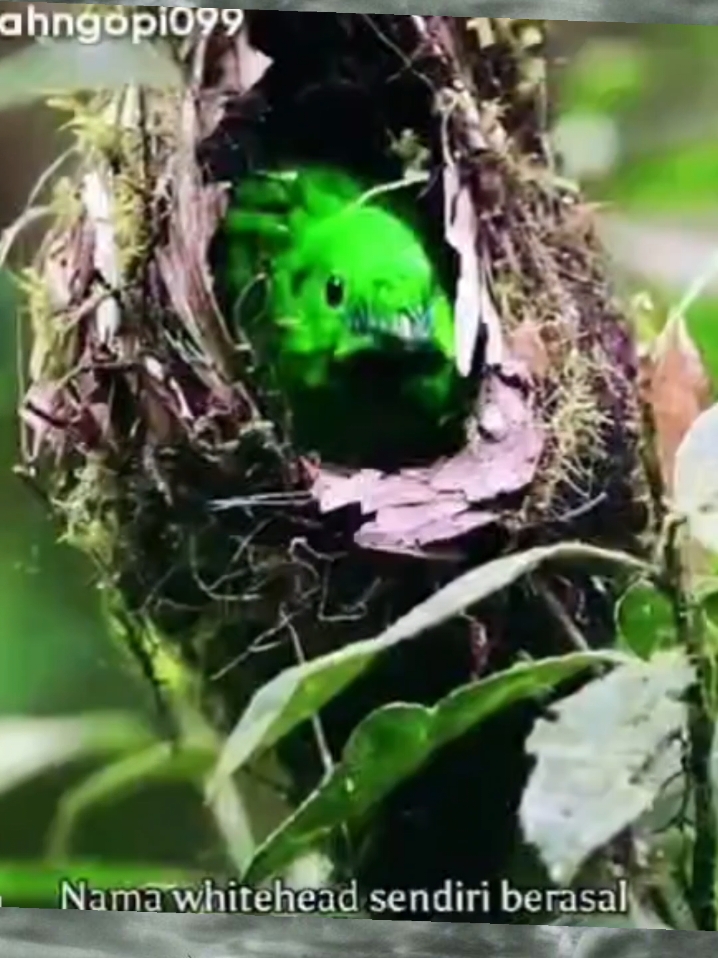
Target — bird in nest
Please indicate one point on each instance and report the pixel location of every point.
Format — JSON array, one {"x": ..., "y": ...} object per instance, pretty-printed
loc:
[{"x": 345, "y": 309}]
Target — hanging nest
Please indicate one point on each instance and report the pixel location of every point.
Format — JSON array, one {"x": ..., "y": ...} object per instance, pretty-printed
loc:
[{"x": 148, "y": 428}]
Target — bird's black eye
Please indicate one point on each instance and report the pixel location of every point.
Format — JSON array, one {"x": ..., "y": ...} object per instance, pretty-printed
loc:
[{"x": 334, "y": 291}]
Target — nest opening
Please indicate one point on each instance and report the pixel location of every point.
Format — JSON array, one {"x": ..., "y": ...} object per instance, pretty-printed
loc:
[{"x": 362, "y": 115}]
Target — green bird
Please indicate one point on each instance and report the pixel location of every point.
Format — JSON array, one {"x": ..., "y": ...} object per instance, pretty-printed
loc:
[{"x": 344, "y": 308}]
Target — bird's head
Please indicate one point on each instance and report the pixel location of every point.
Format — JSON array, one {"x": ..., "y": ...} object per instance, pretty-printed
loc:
[{"x": 359, "y": 282}]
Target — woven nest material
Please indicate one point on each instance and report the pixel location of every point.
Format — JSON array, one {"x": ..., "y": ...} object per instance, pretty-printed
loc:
[{"x": 144, "y": 422}]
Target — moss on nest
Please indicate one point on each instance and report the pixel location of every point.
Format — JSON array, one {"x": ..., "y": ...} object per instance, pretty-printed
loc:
[{"x": 143, "y": 408}]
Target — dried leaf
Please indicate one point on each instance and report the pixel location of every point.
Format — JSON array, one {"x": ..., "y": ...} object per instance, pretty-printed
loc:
[
  {"x": 417, "y": 508},
  {"x": 505, "y": 459},
  {"x": 678, "y": 391},
  {"x": 98, "y": 202},
  {"x": 415, "y": 528},
  {"x": 183, "y": 261},
  {"x": 69, "y": 265},
  {"x": 461, "y": 229},
  {"x": 526, "y": 345},
  {"x": 695, "y": 481},
  {"x": 495, "y": 348},
  {"x": 41, "y": 414}
]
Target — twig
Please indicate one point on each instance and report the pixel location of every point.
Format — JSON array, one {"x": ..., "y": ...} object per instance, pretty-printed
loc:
[
  {"x": 320, "y": 737},
  {"x": 410, "y": 180},
  {"x": 701, "y": 733},
  {"x": 321, "y": 740},
  {"x": 696, "y": 289},
  {"x": 556, "y": 608}
]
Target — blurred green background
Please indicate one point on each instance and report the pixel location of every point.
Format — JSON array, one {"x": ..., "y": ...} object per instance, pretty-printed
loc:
[
  {"x": 53, "y": 656},
  {"x": 635, "y": 111},
  {"x": 636, "y": 121}
]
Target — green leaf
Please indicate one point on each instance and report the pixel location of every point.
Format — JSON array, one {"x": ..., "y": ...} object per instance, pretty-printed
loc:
[
  {"x": 702, "y": 324},
  {"x": 299, "y": 693},
  {"x": 645, "y": 621},
  {"x": 680, "y": 179},
  {"x": 163, "y": 762},
  {"x": 696, "y": 479},
  {"x": 24, "y": 884},
  {"x": 31, "y": 746},
  {"x": 187, "y": 761},
  {"x": 392, "y": 743},
  {"x": 70, "y": 66},
  {"x": 607, "y": 76},
  {"x": 708, "y": 601},
  {"x": 602, "y": 759}
]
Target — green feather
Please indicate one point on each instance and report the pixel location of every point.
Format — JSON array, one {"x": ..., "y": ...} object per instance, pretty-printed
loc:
[{"x": 356, "y": 328}]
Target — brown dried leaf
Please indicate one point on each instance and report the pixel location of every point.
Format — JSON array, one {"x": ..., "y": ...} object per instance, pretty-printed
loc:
[
  {"x": 526, "y": 345},
  {"x": 57, "y": 422},
  {"x": 461, "y": 229},
  {"x": 505, "y": 459},
  {"x": 98, "y": 200},
  {"x": 236, "y": 67},
  {"x": 415, "y": 509},
  {"x": 677, "y": 390},
  {"x": 69, "y": 264},
  {"x": 42, "y": 415},
  {"x": 184, "y": 267}
]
